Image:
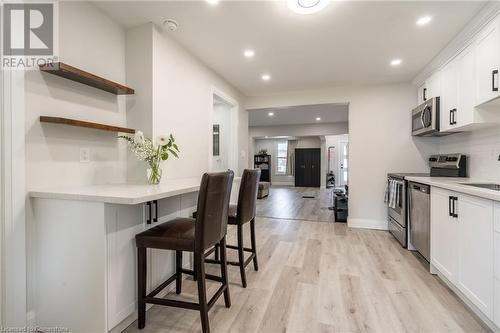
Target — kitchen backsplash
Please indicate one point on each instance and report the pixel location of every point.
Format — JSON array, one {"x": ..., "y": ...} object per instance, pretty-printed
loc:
[{"x": 482, "y": 147}]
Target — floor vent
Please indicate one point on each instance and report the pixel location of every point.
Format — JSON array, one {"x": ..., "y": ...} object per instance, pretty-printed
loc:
[{"x": 308, "y": 197}]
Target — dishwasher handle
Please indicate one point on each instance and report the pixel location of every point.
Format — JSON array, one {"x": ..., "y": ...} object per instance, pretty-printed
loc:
[{"x": 420, "y": 187}]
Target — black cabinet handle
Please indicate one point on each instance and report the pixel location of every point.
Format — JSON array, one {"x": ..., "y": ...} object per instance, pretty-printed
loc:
[
  {"x": 493, "y": 75},
  {"x": 424, "y": 93},
  {"x": 455, "y": 200},
  {"x": 454, "y": 119},
  {"x": 155, "y": 219},
  {"x": 149, "y": 212},
  {"x": 450, "y": 200},
  {"x": 451, "y": 117}
]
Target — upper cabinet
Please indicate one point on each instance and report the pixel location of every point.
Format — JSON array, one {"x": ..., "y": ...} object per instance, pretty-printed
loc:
[
  {"x": 468, "y": 84},
  {"x": 433, "y": 85},
  {"x": 488, "y": 63}
]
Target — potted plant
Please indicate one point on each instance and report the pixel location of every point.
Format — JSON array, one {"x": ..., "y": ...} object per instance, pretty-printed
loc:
[{"x": 152, "y": 153}]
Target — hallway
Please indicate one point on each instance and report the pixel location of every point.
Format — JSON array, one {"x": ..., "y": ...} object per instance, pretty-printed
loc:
[{"x": 286, "y": 202}]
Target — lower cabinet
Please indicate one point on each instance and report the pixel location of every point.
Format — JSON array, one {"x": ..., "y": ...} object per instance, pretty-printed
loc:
[{"x": 462, "y": 245}]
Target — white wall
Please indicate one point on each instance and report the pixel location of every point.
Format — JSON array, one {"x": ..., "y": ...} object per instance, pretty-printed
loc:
[
  {"x": 182, "y": 105},
  {"x": 380, "y": 140},
  {"x": 483, "y": 150},
  {"x": 52, "y": 151},
  {"x": 91, "y": 41},
  {"x": 270, "y": 146}
]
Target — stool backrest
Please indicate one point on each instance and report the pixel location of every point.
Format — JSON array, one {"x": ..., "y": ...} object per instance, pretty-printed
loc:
[
  {"x": 247, "y": 197},
  {"x": 213, "y": 205}
]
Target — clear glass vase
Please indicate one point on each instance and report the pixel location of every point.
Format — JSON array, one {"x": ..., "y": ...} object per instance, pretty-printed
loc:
[{"x": 154, "y": 174}]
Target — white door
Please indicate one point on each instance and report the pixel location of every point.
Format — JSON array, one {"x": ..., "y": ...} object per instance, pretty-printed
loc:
[
  {"x": 475, "y": 273},
  {"x": 224, "y": 140},
  {"x": 343, "y": 178},
  {"x": 444, "y": 234},
  {"x": 466, "y": 87},
  {"x": 488, "y": 63}
]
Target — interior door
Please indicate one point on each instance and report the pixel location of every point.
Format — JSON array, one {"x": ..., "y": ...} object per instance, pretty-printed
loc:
[
  {"x": 307, "y": 167},
  {"x": 343, "y": 164}
]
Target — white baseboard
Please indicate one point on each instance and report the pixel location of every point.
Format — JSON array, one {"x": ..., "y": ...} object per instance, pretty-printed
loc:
[
  {"x": 283, "y": 183},
  {"x": 367, "y": 224}
]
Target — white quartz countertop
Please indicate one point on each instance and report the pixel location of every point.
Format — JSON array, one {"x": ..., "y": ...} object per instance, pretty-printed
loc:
[
  {"x": 128, "y": 194},
  {"x": 457, "y": 184}
]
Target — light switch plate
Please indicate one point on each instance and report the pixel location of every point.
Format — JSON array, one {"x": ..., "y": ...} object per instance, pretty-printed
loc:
[{"x": 84, "y": 155}]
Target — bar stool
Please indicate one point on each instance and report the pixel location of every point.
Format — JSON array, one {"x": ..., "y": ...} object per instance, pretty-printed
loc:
[
  {"x": 239, "y": 215},
  {"x": 191, "y": 235}
]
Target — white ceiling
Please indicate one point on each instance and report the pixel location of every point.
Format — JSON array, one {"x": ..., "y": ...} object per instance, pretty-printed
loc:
[
  {"x": 298, "y": 115},
  {"x": 349, "y": 42}
]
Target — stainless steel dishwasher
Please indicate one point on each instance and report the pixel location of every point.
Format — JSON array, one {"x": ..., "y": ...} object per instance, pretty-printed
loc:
[{"x": 420, "y": 217}]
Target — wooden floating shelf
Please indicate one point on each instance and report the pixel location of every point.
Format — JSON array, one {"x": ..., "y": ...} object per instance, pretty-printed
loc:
[
  {"x": 86, "y": 124},
  {"x": 78, "y": 75}
]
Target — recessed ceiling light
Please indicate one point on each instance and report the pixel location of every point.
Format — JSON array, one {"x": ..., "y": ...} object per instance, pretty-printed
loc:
[
  {"x": 318, "y": 119},
  {"x": 266, "y": 77},
  {"x": 396, "y": 62},
  {"x": 249, "y": 53},
  {"x": 212, "y": 2},
  {"x": 270, "y": 114},
  {"x": 424, "y": 20},
  {"x": 307, "y": 6}
]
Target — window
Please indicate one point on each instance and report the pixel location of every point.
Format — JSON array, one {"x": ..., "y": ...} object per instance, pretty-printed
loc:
[{"x": 281, "y": 157}]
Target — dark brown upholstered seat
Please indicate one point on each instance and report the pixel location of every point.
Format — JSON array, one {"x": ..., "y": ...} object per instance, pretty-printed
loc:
[
  {"x": 239, "y": 215},
  {"x": 193, "y": 235},
  {"x": 177, "y": 234}
]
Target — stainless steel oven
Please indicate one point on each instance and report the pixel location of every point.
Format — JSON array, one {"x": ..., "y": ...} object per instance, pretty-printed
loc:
[
  {"x": 397, "y": 213},
  {"x": 425, "y": 118}
]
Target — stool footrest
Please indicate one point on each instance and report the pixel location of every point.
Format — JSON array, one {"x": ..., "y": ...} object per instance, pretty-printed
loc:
[
  {"x": 162, "y": 286},
  {"x": 207, "y": 276},
  {"x": 171, "y": 302},
  {"x": 234, "y": 247}
]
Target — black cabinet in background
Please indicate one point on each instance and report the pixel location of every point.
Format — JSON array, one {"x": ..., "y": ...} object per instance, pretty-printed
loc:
[{"x": 308, "y": 167}]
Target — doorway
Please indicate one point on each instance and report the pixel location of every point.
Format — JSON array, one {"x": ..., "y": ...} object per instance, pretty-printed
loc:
[
  {"x": 224, "y": 142},
  {"x": 307, "y": 167}
]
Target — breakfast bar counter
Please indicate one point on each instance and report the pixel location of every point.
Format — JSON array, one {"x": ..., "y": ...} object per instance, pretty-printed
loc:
[{"x": 84, "y": 253}]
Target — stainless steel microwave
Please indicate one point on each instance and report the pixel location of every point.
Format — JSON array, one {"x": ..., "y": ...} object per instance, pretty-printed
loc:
[{"x": 425, "y": 118}]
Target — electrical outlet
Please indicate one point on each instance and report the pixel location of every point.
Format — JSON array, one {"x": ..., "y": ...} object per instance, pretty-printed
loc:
[{"x": 84, "y": 155}]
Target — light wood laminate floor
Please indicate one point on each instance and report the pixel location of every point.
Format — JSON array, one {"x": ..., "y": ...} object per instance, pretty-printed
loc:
[
  {"x": 286, "y": 202},
  {"x": 324, "y": 277}
]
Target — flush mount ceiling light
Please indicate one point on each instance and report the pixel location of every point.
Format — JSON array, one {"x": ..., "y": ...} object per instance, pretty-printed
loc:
[
  {"x": 266, "y": 77},
  {"x": 307, "y": 6},
  {"x": 318, "y": 119},
  {"x": 396, "y": 62},
  {"x": 212, "y": 2},
  {"x": 423, "y": 20},
  {"x": 249, "y": 53},
  {"x": 270, "y": 114}
]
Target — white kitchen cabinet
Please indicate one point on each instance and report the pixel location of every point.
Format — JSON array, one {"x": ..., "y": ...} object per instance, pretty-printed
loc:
[
  {"x": 433, "y": 85},
  {"x": 488, "y": 63},
  {"x": 475, "y": 268},
  {"x": 462, "y": 245},
  {"x": 449, "y": 97},
  {"x": 444, "y": 235},
  {"x": 496, "y": 264}
]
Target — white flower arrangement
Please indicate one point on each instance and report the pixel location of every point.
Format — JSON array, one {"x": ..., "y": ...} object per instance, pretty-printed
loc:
[{"x": 153, "y": 153}]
